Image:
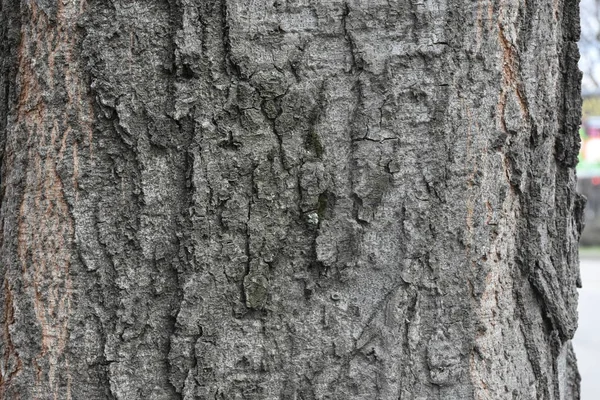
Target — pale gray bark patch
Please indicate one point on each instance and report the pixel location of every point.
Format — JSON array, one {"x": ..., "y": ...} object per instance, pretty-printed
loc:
[{"x": 290, "y": 199}]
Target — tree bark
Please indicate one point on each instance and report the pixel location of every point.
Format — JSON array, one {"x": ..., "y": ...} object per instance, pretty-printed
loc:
[{"x": 289, "y": 199}]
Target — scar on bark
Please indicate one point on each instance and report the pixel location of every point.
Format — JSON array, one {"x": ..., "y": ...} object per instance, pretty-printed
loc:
[{"x": 510, "y": 79}]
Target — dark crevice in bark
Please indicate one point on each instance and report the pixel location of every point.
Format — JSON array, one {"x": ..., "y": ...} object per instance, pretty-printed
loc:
[
  {"x": 411, "y": 312},
  {"x": 172, "y": 328},
  {"x": 247, "y": 298},
  {"x": 356, "y": 62},
  {"x": 271, "y": 116},
  {"x": 374, "y": 140},
  {"x": 357, "y": 205},
  {"x": 526, "y": 15},
  {"x": 232, "y": 68},
  {"x": 183, "y": 247},
  {"x": 352, "y": 162},
  {"x": 312, "y": 141},
  {"x": 532, "y": 353}
]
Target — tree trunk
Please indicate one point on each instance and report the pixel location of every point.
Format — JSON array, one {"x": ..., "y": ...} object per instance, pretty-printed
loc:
[{"x": 289, "y": 199}]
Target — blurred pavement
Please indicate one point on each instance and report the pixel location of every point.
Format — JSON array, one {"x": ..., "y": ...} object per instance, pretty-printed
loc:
[{"x": 587, "y": 337}]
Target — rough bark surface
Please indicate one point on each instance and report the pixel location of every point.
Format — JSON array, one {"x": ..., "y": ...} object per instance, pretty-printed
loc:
[{"x": 289, "y": 199}]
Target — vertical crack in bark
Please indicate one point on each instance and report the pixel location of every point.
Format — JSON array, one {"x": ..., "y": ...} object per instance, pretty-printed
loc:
[
  {"x": 312, "y": 141},
  {"x": 354, "y": 121},
  {"x": 356, "y": 61},
  {"x": 231, "y": 66},
  {"x": 531, "y": 346}
]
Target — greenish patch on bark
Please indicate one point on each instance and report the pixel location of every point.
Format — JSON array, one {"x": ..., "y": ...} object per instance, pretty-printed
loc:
[
  {"x": 256, "y": 289},
  {"x": 322, "y": 205},
  {"x": 313, "y": 143}
]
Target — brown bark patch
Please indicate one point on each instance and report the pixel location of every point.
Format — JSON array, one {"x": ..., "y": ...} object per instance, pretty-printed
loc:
[
  {"x": 46, "y": 226},
  {"x": 510, "y": 79}
]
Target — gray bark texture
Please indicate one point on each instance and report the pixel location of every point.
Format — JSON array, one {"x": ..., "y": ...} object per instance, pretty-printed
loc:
[{"x": 289, "y": 199}]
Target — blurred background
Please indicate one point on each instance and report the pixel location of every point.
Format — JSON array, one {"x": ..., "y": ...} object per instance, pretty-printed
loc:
[
  {"x": 588, "y": 170},
  {"x": 587, "y": 338}
]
